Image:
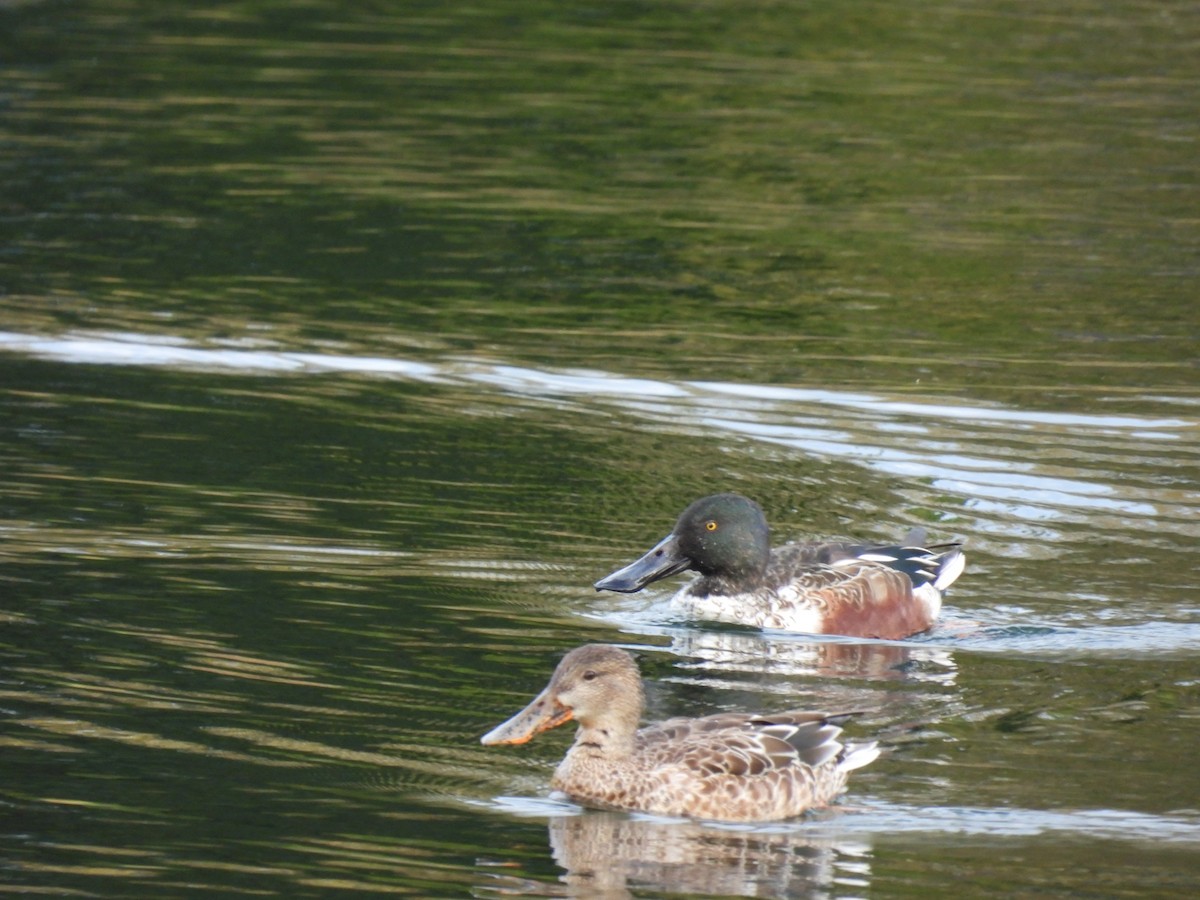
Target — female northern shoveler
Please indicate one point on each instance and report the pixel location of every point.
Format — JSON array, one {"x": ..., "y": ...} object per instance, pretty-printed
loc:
[
  {"x": 731, "y": 766},
  {"x": 817, "y": 588}
]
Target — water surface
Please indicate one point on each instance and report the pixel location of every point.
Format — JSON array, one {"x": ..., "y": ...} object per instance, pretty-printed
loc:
[{"x": 343, "y": 349}]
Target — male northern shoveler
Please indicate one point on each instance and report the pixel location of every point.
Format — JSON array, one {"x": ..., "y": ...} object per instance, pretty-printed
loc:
[
  {"x": 817, "y": 587},
  {"x": 731, "y": 766}
]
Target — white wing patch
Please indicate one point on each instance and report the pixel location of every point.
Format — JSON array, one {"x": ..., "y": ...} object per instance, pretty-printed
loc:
[{"x": 886, "y": 558}]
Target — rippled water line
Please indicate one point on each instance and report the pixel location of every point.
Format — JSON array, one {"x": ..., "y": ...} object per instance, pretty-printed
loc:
[
  {"x": 1006, "y": 479},
  {"x": 139, "y": 350},
  {"x": 979, "y": 473},
  {"x": 873, "y": 817},
  {"x": 940, "y": 411},
  {"x": 1113, "y": 824}
]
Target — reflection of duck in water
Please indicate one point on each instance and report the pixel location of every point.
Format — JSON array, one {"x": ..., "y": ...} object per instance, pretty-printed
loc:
[
  {"x": 817, "y": 588},
  {"x": 613, "y": 855},
  {"x": 728, "y": 658},
  {"x": 731, "y": 766}
]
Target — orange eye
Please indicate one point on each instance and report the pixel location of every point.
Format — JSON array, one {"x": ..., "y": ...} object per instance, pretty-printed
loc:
[{"x": 711, "y": 525}]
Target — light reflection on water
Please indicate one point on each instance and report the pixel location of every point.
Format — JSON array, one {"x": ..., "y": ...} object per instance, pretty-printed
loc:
[
  {"x": 164, "y": 350},
  {"x": 1015, "y": 483},
  {"x": 861, "y": 817}
]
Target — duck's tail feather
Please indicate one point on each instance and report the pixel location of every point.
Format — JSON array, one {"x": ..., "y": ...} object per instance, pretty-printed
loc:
[
  {"x": 937, "y": 566},
  {"x": 855, "y": 756}
]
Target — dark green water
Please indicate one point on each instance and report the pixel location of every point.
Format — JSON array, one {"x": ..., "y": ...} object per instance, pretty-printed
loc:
[{"x": 342, "y": 347}]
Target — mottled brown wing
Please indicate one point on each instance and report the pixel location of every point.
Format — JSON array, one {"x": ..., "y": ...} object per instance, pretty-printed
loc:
[
  {"x": 675, "y": 729},
  {"x": 662, "y": 740},
  {"x": 743, "y": 745}
]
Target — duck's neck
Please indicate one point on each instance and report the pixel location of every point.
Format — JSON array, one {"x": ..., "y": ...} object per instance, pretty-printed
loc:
[
  {"x": 606, "y": 742},
  {"x": 611, "y": 734},
  {"x": 726, "y": 584}
]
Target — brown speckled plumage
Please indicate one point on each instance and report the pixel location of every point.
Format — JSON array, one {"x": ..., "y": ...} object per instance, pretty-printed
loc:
[{"x": 730, "y": 766}]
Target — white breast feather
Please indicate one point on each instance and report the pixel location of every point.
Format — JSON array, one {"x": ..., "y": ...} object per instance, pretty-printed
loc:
[{"x": 782, "y": 609}]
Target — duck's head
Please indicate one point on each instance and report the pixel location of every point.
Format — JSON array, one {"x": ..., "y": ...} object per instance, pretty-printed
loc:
[
  {"x": 597, "y": 685},
  {"x": 724, "y": 535}
]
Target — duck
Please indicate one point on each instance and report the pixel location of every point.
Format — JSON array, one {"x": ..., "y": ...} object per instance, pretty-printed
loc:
[
  {"x": 817, "y": 587},
  {"x": 732, "y": 767}
]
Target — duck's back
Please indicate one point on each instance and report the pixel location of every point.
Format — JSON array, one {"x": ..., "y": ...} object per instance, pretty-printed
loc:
[{"x": 730, "y": 766}]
